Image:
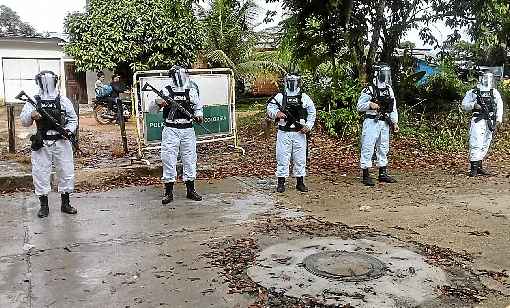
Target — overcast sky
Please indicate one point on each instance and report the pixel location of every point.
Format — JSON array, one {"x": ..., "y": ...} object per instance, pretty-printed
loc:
[
  {"x": 48, "y": 15},
  {"x": 45, "y": 15}
]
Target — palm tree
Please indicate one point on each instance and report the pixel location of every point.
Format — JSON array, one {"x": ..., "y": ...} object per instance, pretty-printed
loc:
[{"x": 230, "y": 39}]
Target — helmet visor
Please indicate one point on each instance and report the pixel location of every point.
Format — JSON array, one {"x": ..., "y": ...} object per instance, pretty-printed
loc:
[
  {"x": 384, "y": 76},
  {"x": 180, "y": 77},
  {"x": 47, "y": 83},
  {"x": 292, "y": 85},
  {"x": 487, "y": 81}
]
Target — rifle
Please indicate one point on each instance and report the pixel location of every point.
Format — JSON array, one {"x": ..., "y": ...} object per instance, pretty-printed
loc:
[
  {"x": 383, "y": 115},
  {"x": 149, "y": 87},
  {"x": 486, "y": 114},
  {"x": 22, "y": 96},
  {"x": 288, "y": 116}
]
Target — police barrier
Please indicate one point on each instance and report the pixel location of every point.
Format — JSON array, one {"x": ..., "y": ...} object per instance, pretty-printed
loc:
[{"x": 216, "y": 89}]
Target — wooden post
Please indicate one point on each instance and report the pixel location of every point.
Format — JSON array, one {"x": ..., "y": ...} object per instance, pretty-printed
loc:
[
  {"x": 122, "y": 124},
  {"x": 11, "y": 124},
  {"x": 76, "y": 105}
]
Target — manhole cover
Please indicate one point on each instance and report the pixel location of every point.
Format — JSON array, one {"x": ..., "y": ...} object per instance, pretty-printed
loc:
[
  {"x": 344, "y": 266},
  {"x": 356, "y": 273}
]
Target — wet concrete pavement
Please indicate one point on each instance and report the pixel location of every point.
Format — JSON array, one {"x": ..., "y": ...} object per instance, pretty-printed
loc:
[{"x": 123, "y": 249}]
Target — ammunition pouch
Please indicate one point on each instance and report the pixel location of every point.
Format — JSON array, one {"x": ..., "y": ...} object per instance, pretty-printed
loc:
[{"x": 37, "y": 141}]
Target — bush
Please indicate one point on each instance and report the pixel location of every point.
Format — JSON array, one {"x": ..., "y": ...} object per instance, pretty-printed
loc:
[
  {"x": 343, "y": 122},
  {"x": 328, "y": 93},
  {"x": 443, "y": 90},
  {"x": 444, "y": 131}
]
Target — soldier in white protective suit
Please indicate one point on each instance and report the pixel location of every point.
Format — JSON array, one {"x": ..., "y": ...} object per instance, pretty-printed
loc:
[
  {"x": 378, "y": 103},
  {"x": 487, "y": 106},
  {"x": 295, "y": 113},
  {"x": 178, "y": 134},
  {"x": 51, "y": 148}
]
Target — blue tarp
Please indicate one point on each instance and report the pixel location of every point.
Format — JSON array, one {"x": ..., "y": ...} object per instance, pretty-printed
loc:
[{"x": 423, "y": 66}]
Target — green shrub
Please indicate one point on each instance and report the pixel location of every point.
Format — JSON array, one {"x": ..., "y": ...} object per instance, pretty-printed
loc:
[
  {"x": 444, "y": 131},
  {"x": 343, "y": 122},
  {"x": 442, "y": 91}
]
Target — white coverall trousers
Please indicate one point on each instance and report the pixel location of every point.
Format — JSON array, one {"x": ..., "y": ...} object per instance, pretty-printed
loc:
[
  {"x": 175, "y": 140},
  {"x": 480, "y": 138},
  {"x": 375, "y": 135},
  {"x": 60, "y": 154},
  {"x": 290, "y": 145}
]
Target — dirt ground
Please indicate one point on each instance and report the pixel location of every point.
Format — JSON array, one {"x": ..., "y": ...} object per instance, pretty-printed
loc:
[{"x": 448, "y": 210}]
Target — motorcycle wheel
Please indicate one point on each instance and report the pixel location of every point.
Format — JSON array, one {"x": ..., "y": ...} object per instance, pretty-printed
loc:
[{"x": 99, "y": 114}]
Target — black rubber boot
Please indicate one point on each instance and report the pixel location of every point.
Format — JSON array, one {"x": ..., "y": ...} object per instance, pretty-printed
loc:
[
  {"x": 367, "y": 180},
  {"x": 482, "y": 171},
  {"x": 191, "y": 192},
  {"x": 300, "y": 186},
  {"x": 66, "y": 205},
  {"x": 44, "y": 211},
  {"x": 474, "y": 169},
  {"x": 281, "y": 185},
  {"x": 169, "y": 193},
  {"x": 384, "y": 177}
]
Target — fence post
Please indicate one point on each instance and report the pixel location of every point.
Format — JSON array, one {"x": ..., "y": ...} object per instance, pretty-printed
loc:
[
  {"x": 11, "y": 124},
  {"x": 122, "y": 124}
]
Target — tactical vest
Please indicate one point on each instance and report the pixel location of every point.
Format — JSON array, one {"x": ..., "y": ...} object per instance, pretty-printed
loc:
[
  {"x": 383, "y": 98},
  {"x": 487, "y": 101},
  {"x": 183, "y": 99},
  {"x": 294, "y": 106},
  {"x": 54, "y": 109}
]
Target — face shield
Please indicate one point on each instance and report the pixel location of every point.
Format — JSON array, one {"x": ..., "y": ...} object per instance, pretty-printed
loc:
[
  {"x": 47, "y": 82},
  {"x": 179, "y": 76},
  {"x": 383, "y": 76},
  {"x": 292, "y": 84},
  {"x": 486, "y": 82}
]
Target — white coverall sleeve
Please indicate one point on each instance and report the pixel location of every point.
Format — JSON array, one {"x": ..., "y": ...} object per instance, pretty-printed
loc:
[
  {"x": 310, "y": 109},
  {"x": 468, "y": 103},
  {"x": 364, "y": 100},
  {"x": 26, "y": 115},
  {"x": 394, "y": 114},
  {"x": 272, "y": 109},
  {"x": 195, "y": 99},
  {"x": 499, "y": 106},
  {"x": 71, "y": 117}
]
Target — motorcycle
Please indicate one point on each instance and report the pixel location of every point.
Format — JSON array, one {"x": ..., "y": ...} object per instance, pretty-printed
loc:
[{"x": 104, "y": 116}]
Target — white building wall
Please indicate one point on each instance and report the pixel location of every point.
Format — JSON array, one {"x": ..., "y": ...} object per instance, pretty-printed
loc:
[{"x": 31, "y": 50}]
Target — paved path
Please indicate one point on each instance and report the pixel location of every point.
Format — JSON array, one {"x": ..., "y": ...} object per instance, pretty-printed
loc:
[{"x": 123, "y": 249}]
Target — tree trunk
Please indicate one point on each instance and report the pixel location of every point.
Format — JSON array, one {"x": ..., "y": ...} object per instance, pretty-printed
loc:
[{"x": 376, "y": 35}]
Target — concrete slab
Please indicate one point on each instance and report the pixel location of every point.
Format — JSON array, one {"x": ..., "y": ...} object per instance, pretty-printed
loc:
[
  {"x": 123, "y": 248},
  {"x": 14, "y": 283},
  {"x": 408, "y": 280}
]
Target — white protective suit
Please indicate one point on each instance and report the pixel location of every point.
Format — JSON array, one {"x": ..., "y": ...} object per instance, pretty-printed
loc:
[
  {"x": 375, "y": 135},
  {"x": 480, "y": 136},
  {"x": 179, "y": 140},
  {"x": 291, "y": 145},
  {"x": 58, "y": 153}
]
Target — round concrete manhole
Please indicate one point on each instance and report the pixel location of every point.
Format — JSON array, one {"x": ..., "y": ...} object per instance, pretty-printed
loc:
[
  {"x": 359, "y": 273},
  {"x": 344, "y": 266}
]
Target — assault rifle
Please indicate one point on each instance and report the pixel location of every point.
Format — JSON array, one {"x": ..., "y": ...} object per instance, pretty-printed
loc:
[
  {"x": 174, "y": 104},
  {"x": 22, "y": 96},
  {"x": 485, "y": 113},
  {"x": 383, "y": 114},
  {"x": 288, "y": 116}
]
